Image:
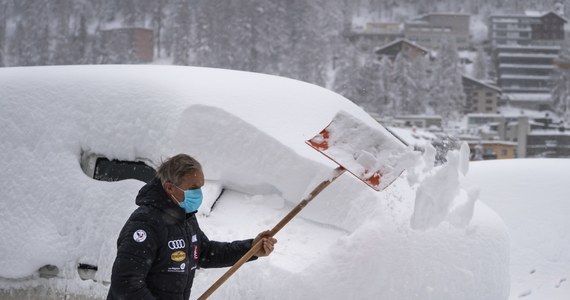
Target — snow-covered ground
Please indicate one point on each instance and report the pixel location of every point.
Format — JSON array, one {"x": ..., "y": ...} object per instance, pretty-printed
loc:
[
  {"x": 425, "y": 237},
  {"x": 531, "y": 196}
]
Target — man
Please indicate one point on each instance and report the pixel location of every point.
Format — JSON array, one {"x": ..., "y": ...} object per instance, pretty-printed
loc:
[{"x": 161, "y": 244}]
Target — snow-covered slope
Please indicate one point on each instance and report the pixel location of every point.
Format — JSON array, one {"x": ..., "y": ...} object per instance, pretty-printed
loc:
[{"x": 248, "y": 130}]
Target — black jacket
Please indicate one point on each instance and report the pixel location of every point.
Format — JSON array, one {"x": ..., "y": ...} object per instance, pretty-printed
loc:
[{"x": 160, "y": 247}]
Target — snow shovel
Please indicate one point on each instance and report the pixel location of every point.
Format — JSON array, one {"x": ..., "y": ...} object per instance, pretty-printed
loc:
[{"x": 370, "y": 153}]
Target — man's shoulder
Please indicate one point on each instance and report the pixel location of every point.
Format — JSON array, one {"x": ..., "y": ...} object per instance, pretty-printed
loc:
[{"x": 147, "y": 214}]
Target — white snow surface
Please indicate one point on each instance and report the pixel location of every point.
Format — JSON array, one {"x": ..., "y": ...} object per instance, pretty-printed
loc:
[
  {"x": 249, "y": 131},
  {"x": 531, "y": 195}
]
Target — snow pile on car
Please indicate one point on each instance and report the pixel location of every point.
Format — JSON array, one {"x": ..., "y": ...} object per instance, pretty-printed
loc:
[{"x": 249, "y": 131}]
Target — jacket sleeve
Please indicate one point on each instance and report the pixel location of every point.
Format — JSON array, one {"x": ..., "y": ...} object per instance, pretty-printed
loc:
[
  {"x": 215, "y": 254},
  {"x": 136, "y": 251}
]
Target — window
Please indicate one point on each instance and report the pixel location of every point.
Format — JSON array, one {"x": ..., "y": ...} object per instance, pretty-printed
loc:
[
  {"x": 488, "y": 94},
  {"x": 489, "y": 101},
  {"x": 504, "y": 152},
  {"x": 101, "y": 168},
  {"x": 115, "y": 170}
]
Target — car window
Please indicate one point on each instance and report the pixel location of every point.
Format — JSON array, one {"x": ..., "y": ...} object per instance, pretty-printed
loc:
[{"x": 115, "y": 170}]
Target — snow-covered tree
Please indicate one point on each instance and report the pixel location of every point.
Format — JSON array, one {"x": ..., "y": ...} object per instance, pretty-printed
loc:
[
  {"x": 480, "y": 70},
  {"x": 158, "y": 19},
  {"x": 384, "y": 87},
  {"x": 404, "y": 96},
  {"x": 446, "y": 88},
  {"x": 180, "y": 52},
  {"x": 346, "y": 69},
  {"x": 3, "y": 22},
  {"x": 561, "y": 89}
]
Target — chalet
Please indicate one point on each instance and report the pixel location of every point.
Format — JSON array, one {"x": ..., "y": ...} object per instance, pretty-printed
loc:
[
  {"x": 535, "y": 28},
  {"x": 410, "y": 49},
  {"x": 550, "y": 29},
  {"x": 481, "y": 97}
]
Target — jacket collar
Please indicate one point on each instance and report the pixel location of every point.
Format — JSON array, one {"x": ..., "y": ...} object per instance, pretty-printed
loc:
[{"x": 153, "y": 194}]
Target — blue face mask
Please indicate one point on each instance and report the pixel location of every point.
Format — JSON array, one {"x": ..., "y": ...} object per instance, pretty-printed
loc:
[{"x": 192, "y": 199}]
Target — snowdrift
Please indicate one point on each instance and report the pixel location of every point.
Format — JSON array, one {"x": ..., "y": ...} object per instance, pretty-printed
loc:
[
  {"x": 412, "y": 241},
  {"x": 531, "y": 195}
]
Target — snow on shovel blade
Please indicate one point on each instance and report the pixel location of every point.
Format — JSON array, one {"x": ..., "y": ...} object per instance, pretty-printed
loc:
[{"x": 372, "y": 154}]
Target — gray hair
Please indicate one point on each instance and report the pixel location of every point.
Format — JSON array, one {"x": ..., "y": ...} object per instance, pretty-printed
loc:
[{"x": 176, "y": 167}]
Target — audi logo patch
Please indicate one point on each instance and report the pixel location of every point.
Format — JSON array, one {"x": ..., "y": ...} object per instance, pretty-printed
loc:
[{"x": 176, "y": 244}]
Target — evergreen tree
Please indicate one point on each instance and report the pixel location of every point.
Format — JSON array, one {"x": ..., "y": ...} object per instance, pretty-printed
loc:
[
  {"x": 480, "y": 70},
  {"x": 446, "y": 93},
  {"x": 368, "y": 83},
  {"x": 181, "y": 45},
  {"x": 561, "y": 90},
  {"x": 384, "y": 87},
  {"x": 3, "y": 22},
  {"x": 405, "y": 98},
  {"x": 158, "y": 17},
  {"x": 62, "y": 51},
  {"x": 346, "y": 73}
]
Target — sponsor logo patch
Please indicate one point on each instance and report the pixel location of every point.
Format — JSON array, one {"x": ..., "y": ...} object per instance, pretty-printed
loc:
[
  {"x": 179, "y": 269},
  {"x": 176, "y": 244},
  {"x": 195, "y": 252},
  {"x": 178, "y": 256},
  {"x": 194, "y": 239},
  {"x": 139, "y": 236}
]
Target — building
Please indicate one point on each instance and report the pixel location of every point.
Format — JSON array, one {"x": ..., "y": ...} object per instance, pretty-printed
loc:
[
  {"x": 410, "y": 49},
  {"x": 525, "y": 69},
  {"x": 413, "y": 137},
  {"x": 419, "y": 121},
  {"x": 134, "y": 45},
  {"x": 549, "y": 143},
  {"x": 534, "y": 28},
  {"x": 431, "y": 29},
  {"x": 524, "y": 48},
  {"x": 550, "y": 29},
  {"x": 481, "y": 97},
  {"x": 491, "y": 149},
  {"x": 367, "y": 35},
  {"x": 534, "y": 101}
]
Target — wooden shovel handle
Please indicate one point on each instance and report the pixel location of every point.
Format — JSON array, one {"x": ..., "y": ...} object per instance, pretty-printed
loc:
[{"x": 255, "y": 248}]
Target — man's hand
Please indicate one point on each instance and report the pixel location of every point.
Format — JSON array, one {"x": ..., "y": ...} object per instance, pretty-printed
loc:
[{"x": 267, "y": 243}]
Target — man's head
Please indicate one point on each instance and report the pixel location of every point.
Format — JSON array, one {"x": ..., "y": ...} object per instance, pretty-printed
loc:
[{"x": 179, "y": 173}]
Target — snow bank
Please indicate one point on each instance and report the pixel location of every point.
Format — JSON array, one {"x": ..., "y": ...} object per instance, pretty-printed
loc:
[
  {"x": 248, "y": 130},
  {"x": 531, "y": 195}
]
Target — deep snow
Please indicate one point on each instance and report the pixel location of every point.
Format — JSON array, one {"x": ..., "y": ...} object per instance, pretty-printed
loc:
[
  {"x": 531, "y": 195},
  {"x": 249, "y": 132}
]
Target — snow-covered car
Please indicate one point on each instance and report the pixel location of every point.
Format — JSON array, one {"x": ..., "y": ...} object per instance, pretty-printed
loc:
[{"x": 64, "y": 129}]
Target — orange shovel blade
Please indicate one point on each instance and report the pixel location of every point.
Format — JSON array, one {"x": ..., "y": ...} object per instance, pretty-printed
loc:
[{"x": 368, "y": 151}]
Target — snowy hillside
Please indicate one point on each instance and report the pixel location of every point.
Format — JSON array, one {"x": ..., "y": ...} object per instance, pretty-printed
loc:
[{"x": 424, "y": 237}]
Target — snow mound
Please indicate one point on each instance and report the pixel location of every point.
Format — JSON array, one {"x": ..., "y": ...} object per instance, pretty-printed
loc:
[
  {"x": 249, "y": 132},
  {"x": 531, "y": 195},
  {"x": 440, "y": 195}
]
